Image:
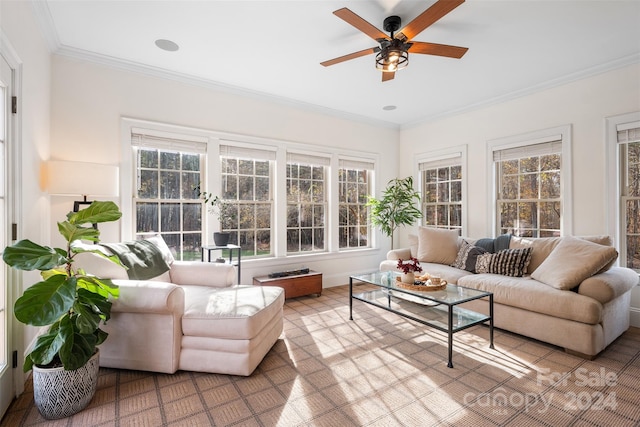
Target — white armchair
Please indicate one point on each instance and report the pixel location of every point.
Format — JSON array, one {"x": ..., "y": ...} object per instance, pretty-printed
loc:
[{"x": 193, "y": 317}]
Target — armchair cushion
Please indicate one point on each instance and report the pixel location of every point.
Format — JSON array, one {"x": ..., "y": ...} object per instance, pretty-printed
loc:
[{"x": 239, "y": 312}]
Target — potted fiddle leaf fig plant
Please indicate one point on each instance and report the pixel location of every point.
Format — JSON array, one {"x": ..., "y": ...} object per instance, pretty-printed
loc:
[
  {"x": 72, "y": 303},
  {"x": 396, "y": 207}
]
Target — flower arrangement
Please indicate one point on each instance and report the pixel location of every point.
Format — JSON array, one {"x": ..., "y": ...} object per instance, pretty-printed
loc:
[{"x": 409, "y": 266}]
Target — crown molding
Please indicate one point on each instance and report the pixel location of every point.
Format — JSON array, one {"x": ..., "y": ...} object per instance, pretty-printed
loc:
[{"x": 569, "y": 78}]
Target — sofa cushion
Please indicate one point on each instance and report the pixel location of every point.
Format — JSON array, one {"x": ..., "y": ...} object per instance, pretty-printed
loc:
[
  {"x": 437, "y": 245},
  {"x": 446, "y": 272},
  {"x": 467, "y": 256},
  {"x": 572, "y": 261},
  {"x": 235, "y": 313},
  {"x": 529, "y": 294},
  {"x": 508, "y": 262},
  {"x": 542, "y": 247}
]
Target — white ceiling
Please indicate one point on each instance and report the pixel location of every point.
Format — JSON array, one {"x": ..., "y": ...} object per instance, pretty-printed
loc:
[{"x": 274, "y": 48}]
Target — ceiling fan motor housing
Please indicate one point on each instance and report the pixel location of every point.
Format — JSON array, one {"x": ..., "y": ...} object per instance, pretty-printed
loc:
[{"x": 391, "y": 24}]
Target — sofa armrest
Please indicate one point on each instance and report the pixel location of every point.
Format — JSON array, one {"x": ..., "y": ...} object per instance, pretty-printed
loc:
[
  {"x": 146, "y": 296},
  {"x": 401, "y": 253},
  {"x": 212, "y": 274},
  {"x": 607, "y": 286}
]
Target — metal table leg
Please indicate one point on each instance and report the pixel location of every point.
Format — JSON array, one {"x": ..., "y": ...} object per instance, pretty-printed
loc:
[
  {"x": 450, "y": 327},
  {"x": 491, "y": 321}
]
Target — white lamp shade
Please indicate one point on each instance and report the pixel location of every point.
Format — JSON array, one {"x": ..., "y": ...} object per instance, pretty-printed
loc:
[{"x": 83, "y": 179}]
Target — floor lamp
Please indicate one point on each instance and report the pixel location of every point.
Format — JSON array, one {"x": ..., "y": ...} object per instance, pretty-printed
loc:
[{"x": 82, "y": 179}]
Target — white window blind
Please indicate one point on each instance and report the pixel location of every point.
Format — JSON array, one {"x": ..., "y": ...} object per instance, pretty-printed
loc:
[
  {"x": 227, "y": 150},
  {"x": 306, "y": 159},
  {"x": 168, "y": 141},
  {"x": 540, "y": 149},
  {"x": 628, "y": 132},
  {"x": 440, "y": 162},
  {"x": 355, "y": 164}
]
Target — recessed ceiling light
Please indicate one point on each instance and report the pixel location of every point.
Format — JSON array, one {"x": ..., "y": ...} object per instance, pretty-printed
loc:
[
  {"x": 167, "y": 45},
  {"x": 389, "y": 107}
]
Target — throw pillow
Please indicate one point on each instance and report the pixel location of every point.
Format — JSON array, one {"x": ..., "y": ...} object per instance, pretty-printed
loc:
[
  {"x": 437, "y": 245},
  {"x": 507, "y": 262},
  {"x": 413, "y": 245},
  {"x": 164, "y": 249},
  {"x": 572, "y": 261},
  {"x": 467, "y": 257}
]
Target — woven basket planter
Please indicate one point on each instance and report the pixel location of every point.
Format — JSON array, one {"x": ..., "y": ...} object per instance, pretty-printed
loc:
[{"x": 59, "y": 393}]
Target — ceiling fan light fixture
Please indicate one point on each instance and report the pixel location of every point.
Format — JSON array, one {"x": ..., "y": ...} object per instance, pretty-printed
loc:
[{"x": 392, "y": 59}]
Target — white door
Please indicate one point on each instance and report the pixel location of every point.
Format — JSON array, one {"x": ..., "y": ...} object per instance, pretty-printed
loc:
[{"x": 7, "y": 390}]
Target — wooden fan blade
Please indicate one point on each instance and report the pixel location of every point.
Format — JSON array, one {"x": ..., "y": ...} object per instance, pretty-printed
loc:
[
  {"x": 429, "y": 16},
  {"x": 351, "y": 18},
  {"x": 386, "y": 76},
  {"x": 349, "y": 56},
  {"x": 438, "y": 49}
]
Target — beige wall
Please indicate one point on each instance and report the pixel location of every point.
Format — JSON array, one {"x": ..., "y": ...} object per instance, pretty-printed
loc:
[{"x": 89, "y": 100}]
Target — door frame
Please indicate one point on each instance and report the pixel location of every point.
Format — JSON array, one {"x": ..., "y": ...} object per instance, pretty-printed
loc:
[{"x": 14, "y": 210}]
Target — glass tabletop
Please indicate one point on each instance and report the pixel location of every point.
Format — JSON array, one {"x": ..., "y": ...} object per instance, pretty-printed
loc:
[{"x": 451, "y": 295}]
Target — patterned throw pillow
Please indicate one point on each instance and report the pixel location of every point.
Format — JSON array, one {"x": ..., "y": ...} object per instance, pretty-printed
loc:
[
  {"x": 508, "y": 262},
  {"x": 467, "y": 256}
]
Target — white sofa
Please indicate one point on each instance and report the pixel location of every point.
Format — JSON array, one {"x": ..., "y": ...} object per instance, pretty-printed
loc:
[
  {"x": 569, "y": 295},
  {"x": 192, "y": 317}
]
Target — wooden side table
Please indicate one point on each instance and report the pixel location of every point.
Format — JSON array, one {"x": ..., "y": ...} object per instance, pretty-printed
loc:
[{"x": 294, "y": 286}]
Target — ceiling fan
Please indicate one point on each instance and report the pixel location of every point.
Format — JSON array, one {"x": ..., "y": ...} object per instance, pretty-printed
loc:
[{"x": 393, "y": 53}]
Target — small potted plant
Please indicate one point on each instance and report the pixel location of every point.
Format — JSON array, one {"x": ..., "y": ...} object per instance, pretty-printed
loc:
[
  {"x": 396, "y": 207},
  {"x": 73, "y": 303},
  {"x": 219, "y": 208},
  {"x": 409, "y": 267}
]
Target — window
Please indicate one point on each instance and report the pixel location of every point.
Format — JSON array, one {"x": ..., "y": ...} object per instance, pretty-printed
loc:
[
  {"x": 247, "y": 178},
  {"x": 441, "y": 185},
  {"x": 624, "y": 164},
  {"x": 354, "y": 185},
  {"x": 306, "y": 203},
  {"x": 531, "y": 185},
  {"x": 168, "y": 175}
]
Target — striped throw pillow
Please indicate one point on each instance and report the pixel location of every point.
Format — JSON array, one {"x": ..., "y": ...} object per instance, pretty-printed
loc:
[{"x": 508, "y": 262}]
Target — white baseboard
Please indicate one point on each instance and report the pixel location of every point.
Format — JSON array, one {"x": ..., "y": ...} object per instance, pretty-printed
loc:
[{"x": 634, "y": 317}]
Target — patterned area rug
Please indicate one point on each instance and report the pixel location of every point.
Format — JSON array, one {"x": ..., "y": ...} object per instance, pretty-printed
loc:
[{"x": 378, "y": 370}]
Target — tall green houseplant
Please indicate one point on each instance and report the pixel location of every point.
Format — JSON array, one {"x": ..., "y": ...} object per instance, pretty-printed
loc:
[
  {"x": 70, "y": 300},
  {"x": 396, "y": 207}
]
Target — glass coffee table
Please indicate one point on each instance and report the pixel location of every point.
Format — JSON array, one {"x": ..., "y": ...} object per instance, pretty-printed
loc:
[{"x": 438, "y": 309}]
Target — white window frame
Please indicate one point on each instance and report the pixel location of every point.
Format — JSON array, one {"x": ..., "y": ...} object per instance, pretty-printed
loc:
[
  {"x": 313, "y": 160},
  {"x": 213, "y": 180},
  {"x": 459, "y": 153},
  {"x": 615, "y": 216},
  {"x": 351, "y": 163},
  {"x": 238, "y": 150},
  {"x": 559, "y": 133}
]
